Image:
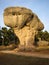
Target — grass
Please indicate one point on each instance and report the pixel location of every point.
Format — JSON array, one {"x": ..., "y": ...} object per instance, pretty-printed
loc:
[
  {"x": 42, "y": 48},
  {"x": 12, "y": 59},
  {"x": 9, "y": 47}
]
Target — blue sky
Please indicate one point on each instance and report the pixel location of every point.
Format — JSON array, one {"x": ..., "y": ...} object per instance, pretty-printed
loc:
[{"x": 40, "y": 7}]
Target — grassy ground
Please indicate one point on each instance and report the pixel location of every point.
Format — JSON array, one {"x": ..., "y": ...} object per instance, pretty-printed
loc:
[
  {"x": 9, "y": 47},
  {"x": 42, "y": 48},
  {"x": 12, "y": 59}
]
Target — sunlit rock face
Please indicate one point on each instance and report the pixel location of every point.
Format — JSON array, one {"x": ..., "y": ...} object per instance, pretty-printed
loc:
[
  {"x": 25, "y": 23},
  {"x": 16, "y": 16}
]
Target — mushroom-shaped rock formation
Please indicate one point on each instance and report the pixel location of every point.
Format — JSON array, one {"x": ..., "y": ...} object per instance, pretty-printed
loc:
[{"x": 25, "y": 24}]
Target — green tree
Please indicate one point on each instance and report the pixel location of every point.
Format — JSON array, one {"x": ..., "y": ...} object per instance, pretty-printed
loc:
[
  {"x": 13, "y": 37},
  {"x": 44, "y": 35},
  {"x": 0, "y": 37},
  {"x": 5, "y": 36}
]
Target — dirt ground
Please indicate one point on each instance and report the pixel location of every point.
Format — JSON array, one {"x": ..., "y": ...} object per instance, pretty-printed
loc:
[{"x": 23, "y": 58}]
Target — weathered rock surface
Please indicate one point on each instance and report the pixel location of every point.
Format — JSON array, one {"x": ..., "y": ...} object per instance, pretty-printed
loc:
[
  {"x": 19, "y": 17},
  {"x": 25, "y": 23},
  {"x": 26, "y": 36}
]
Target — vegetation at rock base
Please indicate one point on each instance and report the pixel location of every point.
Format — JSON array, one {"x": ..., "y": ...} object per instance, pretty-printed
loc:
[
  {"x": 43, "y": 35},
  {"x": 42, "y": 38},
  {"x": 7, "y": 37}
]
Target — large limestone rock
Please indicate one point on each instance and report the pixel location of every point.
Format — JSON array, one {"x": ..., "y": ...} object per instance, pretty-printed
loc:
[{"x": 25, "y": 23}]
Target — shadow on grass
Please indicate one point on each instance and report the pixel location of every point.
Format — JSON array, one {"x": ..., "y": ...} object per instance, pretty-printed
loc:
[{"x": 11, "y": 59}]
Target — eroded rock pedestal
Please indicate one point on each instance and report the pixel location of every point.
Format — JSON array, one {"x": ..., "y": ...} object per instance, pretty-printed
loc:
[
  {"x": 26, "y": 36},
  {"x": 25, "y": 24}
]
